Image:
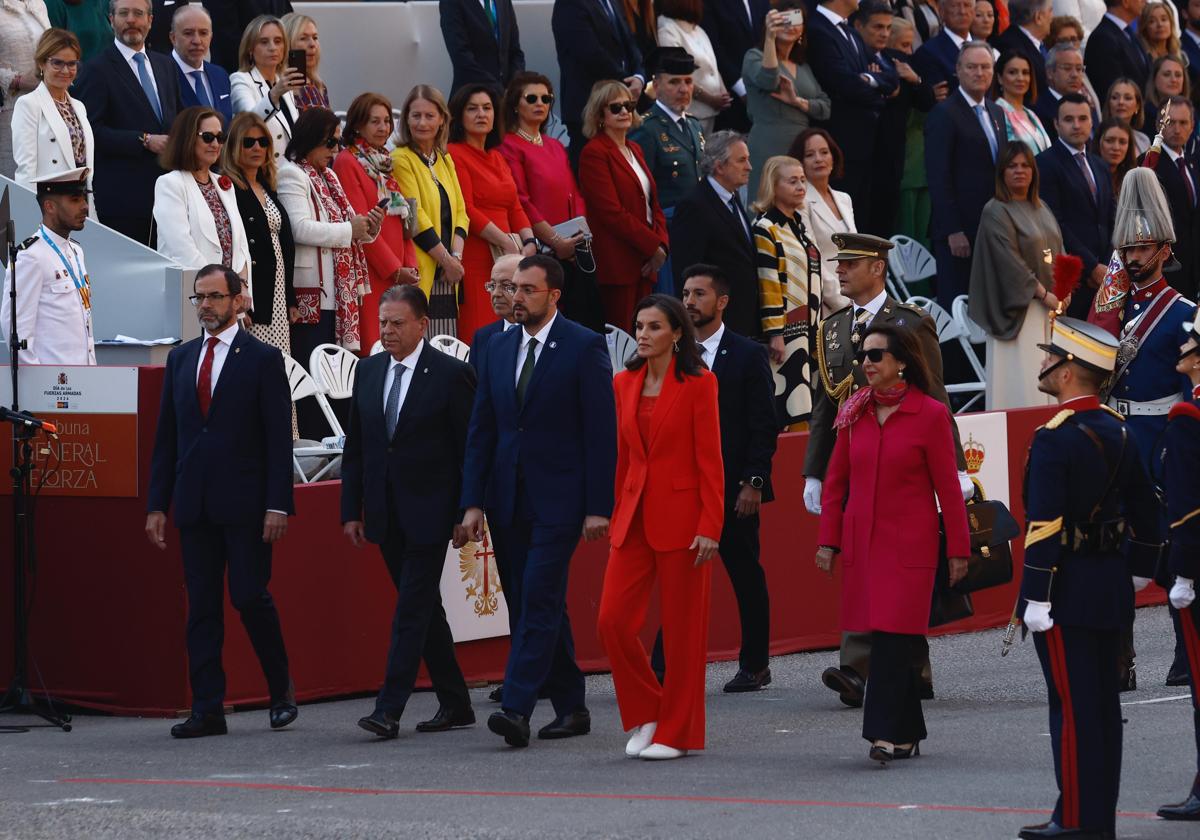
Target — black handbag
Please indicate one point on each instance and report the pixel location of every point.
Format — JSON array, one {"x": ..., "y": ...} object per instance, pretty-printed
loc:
[{"x": 991, "y": 527}]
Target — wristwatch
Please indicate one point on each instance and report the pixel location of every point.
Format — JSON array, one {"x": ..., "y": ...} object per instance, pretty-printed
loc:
[{"x": 755, "y": 481}]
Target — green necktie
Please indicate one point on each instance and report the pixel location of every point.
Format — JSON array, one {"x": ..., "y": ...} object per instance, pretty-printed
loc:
[
  {"x": 489, "y": 6},
  {"x": 526, "y": 373}
]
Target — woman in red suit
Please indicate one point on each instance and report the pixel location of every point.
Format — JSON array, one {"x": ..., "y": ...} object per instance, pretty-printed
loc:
[
  {"x": 894, "y": 451},
  {"x": 666, "y": 523},
  {"x": 628, "y": 226},
  {"x": 365, "y": 169},
  {"x": 491, "y": 197}
]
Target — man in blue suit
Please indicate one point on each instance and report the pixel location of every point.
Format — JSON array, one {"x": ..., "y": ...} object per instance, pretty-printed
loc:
[
  {"x": 734, "y": 28},
  {"x": 499, "y": 287},
  {"x": 937, "y": 59},
  {"x": 541, "y": 460},
  {"x": 1113, "y": 50},
  {"x": 1190, "y": 39},
  {"x": 1076, "y": 186},
  {"x": 132, "y": 96},
  {"x": 483, "y": 41},
  {"x": 200, "y": 82},
  {"x": 223, "y": 455}
]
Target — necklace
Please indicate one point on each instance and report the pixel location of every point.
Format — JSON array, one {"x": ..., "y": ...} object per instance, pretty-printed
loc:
[
  {"x": 205, "y": 182},
  {"x": 535, "y": 139},
  {"x": 430, "y": 160}
]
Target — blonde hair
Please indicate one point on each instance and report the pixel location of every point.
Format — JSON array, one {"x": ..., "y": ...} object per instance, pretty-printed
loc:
[
  {"x": 293, "y": 22},
  {"x": 231, "y": 152},
  {"x": 434, "y": 96},
  {"x": 52, "y": 41},
  {"x": 603, "y": 92},
  {"x": 1172, "y": 47},
  {"x": 250, "y": 38},
  {"x": 770, "y": 177}
]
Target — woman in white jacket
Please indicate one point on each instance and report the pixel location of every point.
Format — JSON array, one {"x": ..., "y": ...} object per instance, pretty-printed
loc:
[
  {"x": 50, "y": 129},
  {"x": 195, "y": 209},
  {"x": 264, "y": 83}
]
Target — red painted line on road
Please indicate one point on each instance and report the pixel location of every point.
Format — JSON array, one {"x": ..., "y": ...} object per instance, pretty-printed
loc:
[{"x": 623, "y": 797}]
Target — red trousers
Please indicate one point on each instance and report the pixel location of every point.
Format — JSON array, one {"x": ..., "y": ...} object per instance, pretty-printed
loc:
[{"x": 678, "y": 704}]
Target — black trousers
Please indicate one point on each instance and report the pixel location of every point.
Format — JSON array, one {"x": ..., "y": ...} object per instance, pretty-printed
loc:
[
  {"x": 209, "y": 549},
  {"x": 419, "y": 627},
  {"x": 855, "y": 654},
  {"x": 892, "y": 708},
  {"x": 1085, "y": 723}
]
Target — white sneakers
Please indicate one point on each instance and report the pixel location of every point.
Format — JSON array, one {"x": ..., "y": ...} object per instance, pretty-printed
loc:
[
  {"x": 661, "y": 752},
  {"x": 642, "y": 737}
]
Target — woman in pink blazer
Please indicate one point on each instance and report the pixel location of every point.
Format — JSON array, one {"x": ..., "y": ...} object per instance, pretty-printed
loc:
[{"x": 893, "y": 462}]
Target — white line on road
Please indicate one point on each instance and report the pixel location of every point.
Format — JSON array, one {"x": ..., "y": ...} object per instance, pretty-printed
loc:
[{"x": 1158, "y": 700}]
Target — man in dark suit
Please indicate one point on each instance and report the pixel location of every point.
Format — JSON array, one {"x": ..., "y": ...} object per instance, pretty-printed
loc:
[
  {"x": 499, "y": 287},
  {"x": 483, "y": 41},
  {"x": 401, "y": 482},
  {"x": 132, "y": 97},
  {"x": 1180, "y": 181},
  {"x": 1189, "y": 15},
  {"x": 711, "y": 226},
  {"x": 200, "y": 81},
  {"x": 733, "y": 27},
  {"x": 1113, "y": 49},
  {"x": 963, "y": 136},
  {"x": 593, "y": 43},
  {"x": 1029, "y": 24},
  {"x": 541, "y": 460},
  {"x": 1076, "y": 186},
  {"x": 223, "y": 455},
  {"x": 937, "y": 59},
  {"x": 1065, "y": 75},
  {"x": 858, "y": 85}
]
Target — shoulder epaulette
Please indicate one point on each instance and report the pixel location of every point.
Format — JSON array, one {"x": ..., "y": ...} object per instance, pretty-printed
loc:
[
  {"x": 1058, "y": 419},
  {"x": 911, "y": 306},
  {"x": 838, "y": 312},
  {"x": 1114, "y": 412},
  {"x": 28, "y": 242},
  {"x": 1184, "y": 409}
]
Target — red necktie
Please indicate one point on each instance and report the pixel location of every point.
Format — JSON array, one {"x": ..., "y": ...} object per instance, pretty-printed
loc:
[
  {"x": 204, "y": 381},
  {"x": 1187, "y": 179}
]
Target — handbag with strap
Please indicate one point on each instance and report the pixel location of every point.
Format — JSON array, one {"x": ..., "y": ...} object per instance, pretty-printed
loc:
[{"x": 991, "y": 527}]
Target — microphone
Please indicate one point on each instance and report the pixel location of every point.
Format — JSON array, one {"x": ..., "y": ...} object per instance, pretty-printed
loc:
[{"x": 23, "y": 419}]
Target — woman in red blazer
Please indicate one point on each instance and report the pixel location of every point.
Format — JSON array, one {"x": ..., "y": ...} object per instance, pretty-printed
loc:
[
  {"x": 365, "y": 169},
  {"x": 628, "y": 227},
  {"x": 666, "y": 522},
  {"x": 894, "y": 452}
]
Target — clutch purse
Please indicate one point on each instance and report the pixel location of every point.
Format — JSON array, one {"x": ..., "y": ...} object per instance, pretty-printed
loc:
[
  {"x": 498, "y": 252},
  {"x": 573, "y": 226},
  {"x": 308, "y": 301}
]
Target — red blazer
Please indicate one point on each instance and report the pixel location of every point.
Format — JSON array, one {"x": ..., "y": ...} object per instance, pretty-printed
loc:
[
  {"x": 616, "y": 211},
  {"x": 390, "y": 251},
  {"x": 679, "y": 479},
  {"x": 878, "y": 506}
]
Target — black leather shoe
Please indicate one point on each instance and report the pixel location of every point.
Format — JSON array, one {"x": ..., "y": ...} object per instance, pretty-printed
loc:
[
  {"x": 881, "y": 754},
  {"x": 199, "y": 726},
  {"x": 745, "y": 680},
  {"x": 578, "y": 722},
  {"x": 926, "y": 691},
  {"x": 447, "y": 719},
  {"x": 1178, "y": 675},
  {"x": 1053, "y": 829},
  {"x": 380, "y": 723},
  {"x": 900, "y": 753},
  {"x": 1189, "y": 809},
  {"x": 282, "y": 714},
  {"x": 497, "y": 694},
  {"x": 514, "y": 728},
  {"x": 846, "y": 683}
]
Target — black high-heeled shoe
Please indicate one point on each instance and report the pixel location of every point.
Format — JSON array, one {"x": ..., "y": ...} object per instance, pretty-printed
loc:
[
  {"x": 883, "y": 755},
  {"x": 907, "y": 752}
]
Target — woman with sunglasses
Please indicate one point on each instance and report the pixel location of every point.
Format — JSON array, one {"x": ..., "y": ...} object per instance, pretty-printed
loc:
[
  {"x": 195, "y": 210},
  {"x": 628, "y": 226},
  {"x": 365, "y": 169},
  {"x": 50, "y": 128},
  {"x": 894, "y": 444}
]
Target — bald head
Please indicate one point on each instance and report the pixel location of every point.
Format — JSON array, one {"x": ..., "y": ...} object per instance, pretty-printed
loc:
[{"x": 191, "y": 34}]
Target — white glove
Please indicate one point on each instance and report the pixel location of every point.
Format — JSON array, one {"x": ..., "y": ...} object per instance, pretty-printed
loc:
[
  {"x": 966, "y": 486},
  {"x": 1140, "y": 583},
  {"x": 1037, "y": 616},
  {"x": 1182, "y": 594},
  {"x": 812, "y": 495}
]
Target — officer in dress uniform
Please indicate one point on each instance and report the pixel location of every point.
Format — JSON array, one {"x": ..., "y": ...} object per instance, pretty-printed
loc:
[
  {"x": 54, "y": 295},
  {"x": 671, "y": 139},
  {"x": 1086, "y": 493},
  {"x": 1181, "y": 486},
  {"x": 862, "y": 266}
]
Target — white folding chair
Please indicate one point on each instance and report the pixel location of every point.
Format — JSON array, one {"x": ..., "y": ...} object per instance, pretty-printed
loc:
[
  {"x": 333, "y": 368},
  {"x": 377, "y": 347},
  {"x": 451, "y": 346},
  {"x": 302, "y": 386},
  {"x": 950, "y": 329},
  {"x": 908, "y": 262},
  {"x": 621, "y": 347},
  {"x": 958, "y": 309}
]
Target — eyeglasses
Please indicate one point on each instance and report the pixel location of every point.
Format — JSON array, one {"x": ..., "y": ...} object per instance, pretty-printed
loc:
[
  {"x": 615, "y": 108},
  {"x": 61, "y": 64},
  {"x": 528, "y": 291},
  {"x": 507, "y": 288},
  {"x": 209, "y": 137},
  {"x": 251, "y": 142},
  {"x": 875, "y": 355},
  {"x": 533, "y": 98},
  {"x": 333, "y": 143},
  {"x": 212, "y": 297}
]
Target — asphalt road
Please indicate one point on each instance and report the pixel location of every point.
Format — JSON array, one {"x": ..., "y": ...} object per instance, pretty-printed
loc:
[{"x": 785, "y": 762}]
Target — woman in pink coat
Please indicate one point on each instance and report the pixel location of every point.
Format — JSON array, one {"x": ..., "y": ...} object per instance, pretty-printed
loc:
[{"x": 894, "y": 451}]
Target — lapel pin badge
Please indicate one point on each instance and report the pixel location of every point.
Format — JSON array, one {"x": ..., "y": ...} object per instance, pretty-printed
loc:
[
  {"x": 553, "y": 344},
  {"x": 424, "y": 370},
  {"x": 237, "y": 349}
]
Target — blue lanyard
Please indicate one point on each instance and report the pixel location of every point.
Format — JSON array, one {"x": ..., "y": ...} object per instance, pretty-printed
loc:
[{"x": 76, "y": 274}]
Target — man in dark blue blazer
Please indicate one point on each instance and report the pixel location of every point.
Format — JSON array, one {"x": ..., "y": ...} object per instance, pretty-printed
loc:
[
  {"x": 1180, "y": 180},
  {"x": 1113, "y": 50},
  {"x": 401, "y": 482},
  {"x": 1029, "y": 24},
  {"x": 541, "y": 460},
  {"x": 937, "y": 59},
  {"x": 484, "y": 43},
  {"x": 223, "y": 456},
  {"x": 593, "y": 43},
  {"x": 1082, "y": 201},
  {"x": 733, "y": 28},
  {"x": 200, "y": 82},
  {"x": 963, "y": 136},
  {"x": 1190, "y": 39},
  {"x": 1065, "y": 75},
  {"x": 499, "y": 287},
  {"x": 132, "y": 96}
]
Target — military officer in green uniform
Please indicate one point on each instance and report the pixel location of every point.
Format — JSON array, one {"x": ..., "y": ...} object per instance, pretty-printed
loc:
[
  {"x": 670, "y": 138},
  {"x": 861, "y": 269}
]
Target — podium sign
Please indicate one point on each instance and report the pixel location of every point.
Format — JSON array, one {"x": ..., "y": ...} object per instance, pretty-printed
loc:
[{"x": 95, "y": 410}]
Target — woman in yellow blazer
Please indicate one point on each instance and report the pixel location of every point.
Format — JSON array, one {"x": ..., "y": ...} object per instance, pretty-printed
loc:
[{"x": 424, "y": 171}]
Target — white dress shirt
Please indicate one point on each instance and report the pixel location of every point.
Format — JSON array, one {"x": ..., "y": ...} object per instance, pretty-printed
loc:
[
  {"x": 542, "y": 335},
  {"x": 873, "y": 306},
  {"x": 128, "y": 55},
  {"x": 224, "y": 340},
  {"x": 202, "y": 79},
  {"x": 708, "y": 347},
  {"x": 726, "y": 196},
  {"x": 394, "y": 370}
]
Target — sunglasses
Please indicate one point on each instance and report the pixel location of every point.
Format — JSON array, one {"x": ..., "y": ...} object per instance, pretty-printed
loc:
[
  {"x": 533, "y": 98},
  {"x": 209, "y": 137},
  {"x": 615, "y": 108},
  {"x": 332, "y": 143},
  {"x": 875, "y": 355},
  {"x": 251, "y": 142}
]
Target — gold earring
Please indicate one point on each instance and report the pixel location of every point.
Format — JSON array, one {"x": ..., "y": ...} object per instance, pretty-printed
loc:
[{"x": 901, "y": 373}]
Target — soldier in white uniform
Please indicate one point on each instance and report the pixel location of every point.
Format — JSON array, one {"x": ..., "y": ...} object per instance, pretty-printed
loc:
[{"x": 54, "y": 305}]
